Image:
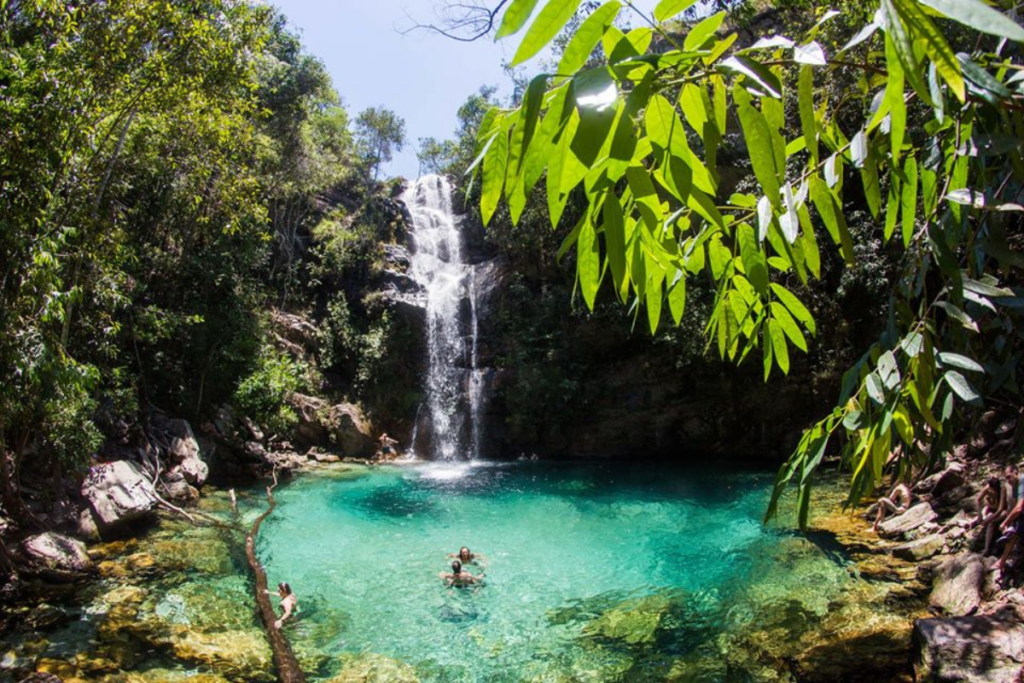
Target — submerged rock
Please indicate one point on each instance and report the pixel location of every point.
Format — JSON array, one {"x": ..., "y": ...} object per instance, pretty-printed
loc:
[
  {"x": 983, "y": 649},
  {"x": 241, "y": 655},
  {"x": 957, "y": 584},
  {"x": 374, "y": 668},
  {"x": 118, "y": 492}
]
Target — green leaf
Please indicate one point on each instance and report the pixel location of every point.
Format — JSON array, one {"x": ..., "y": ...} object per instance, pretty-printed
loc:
[
  {"x": 892, "y": 208},
  {"x": 565, "y": 171},
  {"x": 527, "y": 124},
  {"x": 667, "y": 9},
  {"x": 978, "y": 16},
  {"x": 588, "y": 263},
  {"x": 957, "y": 361},
  {"x": 596, "y": 100},
  {"x": 759, "y": 78},
  {"x": 615, "y": 238},
  {"x": 894, "y": 98},
  {"x": 555, "y": 15},
  {"x": 587, "y": 37},
  {"x": 795, "y": 306},
  {"x": 985, "y": 289},
  {"x": 779, "y": 347},
  {"x": 700, "y": 33},
  {"x": 921, "y": 28},
  {"x": 909, "y": 200},
  {"x": 888, "y": 370},
  {"x": 754, "y": 262},
  {"x": 759, "y": 144},
  {"x": 692, "y": 100},
  {"x": 810, "y": 54},
  {"x": 958, "y": 315},
  {"x": 961, "y": 387},
  {"x": 677, "y": 297},
  {"x": 789, "y": 326},
  {"x": 904, "y": 45},
  {"x": 515, "y": 17},
  {"x": 493, "y": 175},
  {"x": 875, "y": 389},
  {"x": 653, "y": 297},
  {"x": 807, "y": 120}
]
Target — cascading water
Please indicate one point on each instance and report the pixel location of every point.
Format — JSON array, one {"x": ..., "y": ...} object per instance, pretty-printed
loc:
[{"x": 437, "y": 266}]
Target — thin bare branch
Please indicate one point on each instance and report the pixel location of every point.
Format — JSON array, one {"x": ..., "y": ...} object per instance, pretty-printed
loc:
[{"x": 462, "y": 21}]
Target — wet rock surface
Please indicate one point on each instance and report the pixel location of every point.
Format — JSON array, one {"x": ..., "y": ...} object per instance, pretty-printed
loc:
[
  {"x": 56, "y": 554},
  {"x": 984, "y": 648},
  {"x": 914, "y": 518},
  {"x": 957, "y": 585}
]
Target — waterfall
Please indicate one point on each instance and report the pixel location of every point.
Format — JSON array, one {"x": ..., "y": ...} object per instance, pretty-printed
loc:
[
  {"x": 447, "y": 281},
  {"x": 476, "y": 379}
]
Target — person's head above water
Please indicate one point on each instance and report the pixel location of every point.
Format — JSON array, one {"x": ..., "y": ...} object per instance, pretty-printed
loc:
[
  {"x": 464, "y": 554},
  {"x": 284, "y": 589},
  {"x": 456, "y": 567}
]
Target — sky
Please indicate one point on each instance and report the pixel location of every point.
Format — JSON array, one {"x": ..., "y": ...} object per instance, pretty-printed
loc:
[{"x": 423, "y": 77}]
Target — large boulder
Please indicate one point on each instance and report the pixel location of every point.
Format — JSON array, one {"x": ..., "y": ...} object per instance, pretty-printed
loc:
[
  {"x": 57, "y": 554},
  {"x": 912, "y": 519},
  {"x": 118, "y": 492},
  {"x": 957, "y": 585},
  {"x": 342, "y": 427},
  {"x": 982, "y": 649},
  {"x": 921, "y": 548}
]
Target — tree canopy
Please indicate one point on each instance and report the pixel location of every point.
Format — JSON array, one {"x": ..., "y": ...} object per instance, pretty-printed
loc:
[{"x": 911, "y": 108}]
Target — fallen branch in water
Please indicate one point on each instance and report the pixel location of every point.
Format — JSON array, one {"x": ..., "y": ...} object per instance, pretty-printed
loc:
[{"x": 288, "y": 669}]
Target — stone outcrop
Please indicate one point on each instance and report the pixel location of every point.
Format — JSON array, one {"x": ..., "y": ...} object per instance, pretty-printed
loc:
[
  {"x": 957, "y": 585},
  {"x": 117, "y": 493},
  {"x": 55, "y": 555},
  {"x": 921, "y": 548},
  {"x": 982, "y": 649},
  {"x": 342, "y": 427},
  {"x": 914, "y": 518}
]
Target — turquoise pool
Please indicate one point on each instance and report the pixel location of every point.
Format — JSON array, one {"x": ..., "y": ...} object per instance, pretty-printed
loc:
[{"x": 593, "y": 573}]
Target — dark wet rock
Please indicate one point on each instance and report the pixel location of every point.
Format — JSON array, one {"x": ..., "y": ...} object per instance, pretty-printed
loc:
[
  {"x": 44, "y": 617},
  {"x": 982, "y": 649},
  {"x": 53, "y": 553},
  {"x": 118, "y": 493},
  {"x": 920, "y": 549},
  {"x": 941, "y": 482},
  {"x": 176, "y": 488},
  {"x": 957, "y": 584},
  {"x": 915, "y": 517}
]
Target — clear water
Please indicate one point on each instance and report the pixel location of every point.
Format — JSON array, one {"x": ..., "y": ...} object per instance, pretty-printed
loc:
[{"x": 592, "y": 572}]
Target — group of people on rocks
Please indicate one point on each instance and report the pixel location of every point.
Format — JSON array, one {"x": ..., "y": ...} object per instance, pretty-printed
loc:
[
  {"x": 459, "y": 577},
  {"x": 1000, "y": 506}
]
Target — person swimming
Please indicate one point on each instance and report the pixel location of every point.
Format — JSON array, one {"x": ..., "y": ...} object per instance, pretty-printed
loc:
[
  {"x": 460, "y": 578},
  {"x": 465, "y": 556},
  {"x": 289, "y": 603}
]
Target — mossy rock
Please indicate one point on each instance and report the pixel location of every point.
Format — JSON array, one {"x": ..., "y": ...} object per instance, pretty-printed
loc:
[
  {"x": 241, "y": 655},
  {"x": 633, "y": 622},
  {"x": 374, "y": 668}
]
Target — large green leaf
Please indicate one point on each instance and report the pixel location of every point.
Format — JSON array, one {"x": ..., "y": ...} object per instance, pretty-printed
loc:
[
  {"x": 677, "y": 298},
  {"x": 922, "y": 30},
  {"x": 894, "y": 99},
  {"x": 700, "y": 33},
  {"x": 516, "y": 16},
  {"x": 615, "y": 239},
  {"x": 493, "y": 175},
  {"x": 979, "y": 16},
  {"x": 565, "y": 171},
  {"x": 667, "y": 9},
  {"x": 754, "y": 262},
  {"x": 962, "y": 387},
  {"x": 806, "y": 106},
  {"x": 904, "y": 46},
  {"x": 909, "y": 199},
  {"x": 759, "y": 144},
  {"x": 795, "y": 307},
  {"x": 587, "y": 37},
  {"x": 958, "y": 361},
  {"x": 779, "y": 346},
  {"x": 789, "y": 326},
  {"x": 588, "y": 262},
  {"x": 596, "y": 100},
  {"x": 759, "y": 78},
  {"x": 555, "y": 15}
]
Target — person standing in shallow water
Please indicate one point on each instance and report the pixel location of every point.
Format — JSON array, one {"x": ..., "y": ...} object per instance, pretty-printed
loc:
[{"x": 289, "y": 603}]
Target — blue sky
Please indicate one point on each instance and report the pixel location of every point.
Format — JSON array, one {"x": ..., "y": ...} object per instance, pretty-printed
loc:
[{"x": 423, "y": 77}]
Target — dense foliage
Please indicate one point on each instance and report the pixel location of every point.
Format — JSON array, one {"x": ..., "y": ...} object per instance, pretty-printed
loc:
[
  {"x": 910, "y": 109},
  {"x": 164, "y": 168}
]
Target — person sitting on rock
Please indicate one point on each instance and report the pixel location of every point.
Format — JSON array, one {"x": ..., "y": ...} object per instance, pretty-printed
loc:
[
  {"x": 1012, "y": 526},
  {"x": 992, "y": 509},
  {"x": 896, "y": 503},
  {"x": 460, "y": 578},
  {"x": 466, "y": 557},
  {"x": 289, "y": 603}
]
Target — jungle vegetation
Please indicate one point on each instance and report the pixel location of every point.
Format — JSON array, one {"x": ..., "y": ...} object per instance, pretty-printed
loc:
[{"x": 910, "y": 109}]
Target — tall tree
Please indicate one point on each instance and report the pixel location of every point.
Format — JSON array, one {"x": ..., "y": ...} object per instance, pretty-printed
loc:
[{"x": 380, "y": 133}]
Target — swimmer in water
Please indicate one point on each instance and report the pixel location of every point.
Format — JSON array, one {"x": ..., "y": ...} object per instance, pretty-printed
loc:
[
  {"x": 466, "y": 557},
  {"x": 289, "y": 603},
  {"x": 460, "y": 578}
]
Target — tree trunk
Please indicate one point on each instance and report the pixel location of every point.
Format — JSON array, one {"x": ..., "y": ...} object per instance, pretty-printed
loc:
[{"x": 288, "y": 669}]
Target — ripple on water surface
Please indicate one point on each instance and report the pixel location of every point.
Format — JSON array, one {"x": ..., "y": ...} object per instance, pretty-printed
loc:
[{"x": 593, "y": 572}]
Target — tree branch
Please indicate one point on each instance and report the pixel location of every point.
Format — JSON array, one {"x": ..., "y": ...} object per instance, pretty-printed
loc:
[{"x": 462, "y": 21}]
